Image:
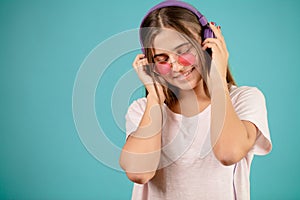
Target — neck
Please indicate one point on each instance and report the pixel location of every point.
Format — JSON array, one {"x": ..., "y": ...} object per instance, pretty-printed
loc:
[
  {"x": 198, "y": 93},
  {"x": 191, "y": 102}
]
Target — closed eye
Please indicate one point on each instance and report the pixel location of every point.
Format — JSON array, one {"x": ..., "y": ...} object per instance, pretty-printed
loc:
[
  {"x": 183, "y": 51},
  {"x": 161, "y": 57}
]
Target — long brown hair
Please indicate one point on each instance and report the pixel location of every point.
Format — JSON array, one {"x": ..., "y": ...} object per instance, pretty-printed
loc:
[{"x": 185, "y": 22}]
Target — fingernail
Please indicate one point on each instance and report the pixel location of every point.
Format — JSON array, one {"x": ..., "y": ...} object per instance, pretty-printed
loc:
[
  {"x": 213, "y": 23},
  {"x": 219, "y": 27}
]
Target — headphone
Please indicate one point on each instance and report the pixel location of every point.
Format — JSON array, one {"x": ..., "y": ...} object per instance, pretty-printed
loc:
[{"x": 207, "y": 32}]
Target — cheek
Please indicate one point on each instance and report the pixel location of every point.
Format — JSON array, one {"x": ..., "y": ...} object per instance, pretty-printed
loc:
[
  {"x": 166, "y": 79},
  {"x": 163, "y": 69},
  {"x": 187, "y": 59},
  {"x": 198, "y": 66},
  {"x": 163, "y": 80}
]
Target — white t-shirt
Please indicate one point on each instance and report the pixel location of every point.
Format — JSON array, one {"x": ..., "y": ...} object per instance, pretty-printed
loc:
[{"x": 188, "y": 169}]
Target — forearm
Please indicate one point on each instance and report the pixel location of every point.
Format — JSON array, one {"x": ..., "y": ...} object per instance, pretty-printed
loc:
[
  {"x": 231, "y": 138},
  {"x": 141, "y": 152}
]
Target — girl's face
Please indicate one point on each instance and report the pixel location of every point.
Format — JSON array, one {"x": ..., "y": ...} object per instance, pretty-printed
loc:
[{"x": 175, "y": 60}]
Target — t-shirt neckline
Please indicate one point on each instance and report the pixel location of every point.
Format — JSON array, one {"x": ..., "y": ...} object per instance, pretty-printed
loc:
[{"x": 178, "y": 115}]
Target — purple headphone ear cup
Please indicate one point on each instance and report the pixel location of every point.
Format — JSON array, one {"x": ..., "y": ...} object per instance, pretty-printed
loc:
[{"x": 208, "y": 33}]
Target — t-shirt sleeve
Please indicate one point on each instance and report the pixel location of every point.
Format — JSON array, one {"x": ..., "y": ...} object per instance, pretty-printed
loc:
[
  {"x": 134, "y": 115},
  {"x": 251, "y": 106}
]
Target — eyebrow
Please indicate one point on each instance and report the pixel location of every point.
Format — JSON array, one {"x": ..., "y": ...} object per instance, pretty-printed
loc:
[
  {"x": 178, "y": 47},
  {"x": 181, "y": 45}
]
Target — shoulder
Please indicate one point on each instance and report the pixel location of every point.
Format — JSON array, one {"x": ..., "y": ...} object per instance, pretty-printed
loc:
[
  {"x": 250, "y": 93},
  {"x": 134, "y": 114},
  {"x": 238, "y": 90},
  {"x": 137, "y": 106},
  {"x": 250, "y": 105},
  {"x": 249, "y": 102}
]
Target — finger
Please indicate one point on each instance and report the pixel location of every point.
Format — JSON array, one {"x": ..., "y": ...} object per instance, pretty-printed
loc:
[
  {"x": 219, "y": 43},
  {"x": 217, "y": 31},
  {"x": 212, "y": 40},
  {"x": 138, "y": 60},
  {"x": 214, "y": 48},
  {"x": 139, "y": 57},
  {"x": 212, "y": 43},
  {"x": 144, "y": 61},
  {"x": 141, "y": 64}
]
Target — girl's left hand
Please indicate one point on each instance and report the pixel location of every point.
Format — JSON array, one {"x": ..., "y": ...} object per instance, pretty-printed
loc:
[{"x": 220, "y": 54}]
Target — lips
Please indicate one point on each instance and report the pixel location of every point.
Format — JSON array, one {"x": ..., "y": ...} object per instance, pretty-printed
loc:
[
  {"x": 188, "y": 72},
  {"x": 185, "y": 74}
]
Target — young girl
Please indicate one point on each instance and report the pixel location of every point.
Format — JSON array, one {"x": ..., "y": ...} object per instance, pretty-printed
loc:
[{"x": 195, "y": 133}]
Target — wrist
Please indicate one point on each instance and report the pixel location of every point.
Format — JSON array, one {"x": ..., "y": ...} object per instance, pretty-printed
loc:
[
  {"x": 216, "y": 85},
  {"x": 150, "y": 88},
  {"x": 153, "y": 98}
]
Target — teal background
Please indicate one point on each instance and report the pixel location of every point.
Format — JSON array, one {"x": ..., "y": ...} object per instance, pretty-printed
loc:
[{"x": 42, "y": 45}]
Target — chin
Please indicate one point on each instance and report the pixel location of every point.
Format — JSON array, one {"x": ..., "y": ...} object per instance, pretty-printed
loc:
[
  {"x": 190, "y": 85},
  {"x": 187, "y": 86}
]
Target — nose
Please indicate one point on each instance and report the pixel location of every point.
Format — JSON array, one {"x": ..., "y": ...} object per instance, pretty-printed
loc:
[{"x": 176, "y": 67}]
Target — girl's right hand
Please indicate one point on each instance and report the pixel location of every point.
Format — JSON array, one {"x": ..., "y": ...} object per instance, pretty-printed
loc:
[{"x": 139, "y": 64}]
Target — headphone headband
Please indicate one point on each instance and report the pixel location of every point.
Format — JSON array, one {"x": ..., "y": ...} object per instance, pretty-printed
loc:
[
  {"x": 169, "y": 3},
  {"x": 207, "y": 32}
]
